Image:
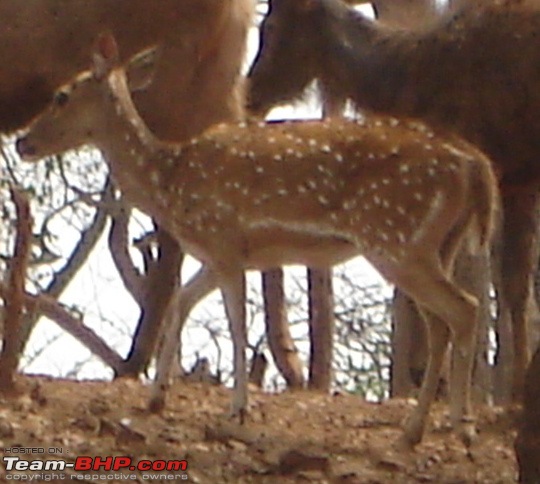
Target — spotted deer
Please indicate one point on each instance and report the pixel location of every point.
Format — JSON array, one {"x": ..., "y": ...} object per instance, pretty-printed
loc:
[{"x": 260, "y": 195}]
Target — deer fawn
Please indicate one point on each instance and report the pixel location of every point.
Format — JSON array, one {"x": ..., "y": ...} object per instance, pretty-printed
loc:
[{"x": 254, "y": 196}]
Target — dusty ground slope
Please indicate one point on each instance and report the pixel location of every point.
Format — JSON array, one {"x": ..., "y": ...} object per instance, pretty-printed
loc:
[{"x": 292, "y": 437}]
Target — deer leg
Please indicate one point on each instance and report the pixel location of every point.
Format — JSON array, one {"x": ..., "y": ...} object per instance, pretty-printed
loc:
[
  {"x": 233, "y": 289},
  {"x": 462, "y": 323},
  {"x": 463, "y": 352},
  {"x": 177, "y": 312},
  {"x": 518, "y": 260},
  {"x": 464, "y": 339},
  {"x": 438, "y": 337},
  {"x": 441, "y": 301}
]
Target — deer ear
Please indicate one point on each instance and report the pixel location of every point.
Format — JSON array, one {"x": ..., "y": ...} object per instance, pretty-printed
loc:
[
  {"x": 105, "y": 56},
  {"x": 141, "y": 69}
]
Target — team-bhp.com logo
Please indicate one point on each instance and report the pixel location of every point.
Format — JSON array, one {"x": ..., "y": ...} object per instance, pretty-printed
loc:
[{"x": 95, "y": 468}]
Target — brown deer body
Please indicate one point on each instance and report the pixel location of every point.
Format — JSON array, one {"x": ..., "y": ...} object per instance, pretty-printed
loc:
[
  {"x": 474, "y": 73},
  {"x": 44, "y": 43},
  {"x": 254, "y": 196}
]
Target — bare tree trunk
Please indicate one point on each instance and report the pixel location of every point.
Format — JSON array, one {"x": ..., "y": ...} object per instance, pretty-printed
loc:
[
  {"x": 160, "y": 282},
  {"x": 14, "y": 301},
  {"x": 320, "y": 292},
  {"x": 76, "y": 260},
  {"x": 321, "y": 325},
  {"x": 280, "y": 341},
  {"x": 259, "y": 363}
]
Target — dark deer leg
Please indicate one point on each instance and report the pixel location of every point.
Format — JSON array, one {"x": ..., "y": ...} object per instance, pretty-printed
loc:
[{"x": 518, "y": 260}]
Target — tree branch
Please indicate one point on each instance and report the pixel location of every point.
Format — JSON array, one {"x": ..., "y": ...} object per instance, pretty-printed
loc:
[
  {"x": 85, "y": 246},
  {"x": 118, "y": 246},
  {"x": 77, "y": 259},
  {"x": 14, "y": 300},
  {"x": 49, "y": 307}
]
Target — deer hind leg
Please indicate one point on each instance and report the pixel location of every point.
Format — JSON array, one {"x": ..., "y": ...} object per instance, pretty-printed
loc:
[
  {"x": 446, "y": 308},
  {"x": 232, "y": 283},
  {"x": 463, "y": 352},
  {"x": 438, "y": 337},
  {"x": 177, "y": 312}
]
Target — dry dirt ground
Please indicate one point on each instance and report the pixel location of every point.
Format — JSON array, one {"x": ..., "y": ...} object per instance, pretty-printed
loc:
[{"x": 291, "y": 437}]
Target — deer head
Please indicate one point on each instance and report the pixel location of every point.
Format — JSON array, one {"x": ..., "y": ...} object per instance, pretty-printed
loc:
[{"x": 79, "y": 113}]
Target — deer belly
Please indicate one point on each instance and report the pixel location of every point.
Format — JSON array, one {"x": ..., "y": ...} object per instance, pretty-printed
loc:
[{"x": 275, "y": 247}]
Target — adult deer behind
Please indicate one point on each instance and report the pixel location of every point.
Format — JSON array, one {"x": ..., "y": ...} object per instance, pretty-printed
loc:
[
  {"x": 197, "y": 75},
  {"x": 255, "y": 196}
]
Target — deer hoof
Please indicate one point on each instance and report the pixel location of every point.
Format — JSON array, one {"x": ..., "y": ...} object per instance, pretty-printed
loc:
[
  {"x": 413, "y": 432},
  {"x": 467, "y": 432}
]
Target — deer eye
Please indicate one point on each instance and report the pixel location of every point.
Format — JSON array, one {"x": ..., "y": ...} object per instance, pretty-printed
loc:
[{"x": 61, "y": 98}]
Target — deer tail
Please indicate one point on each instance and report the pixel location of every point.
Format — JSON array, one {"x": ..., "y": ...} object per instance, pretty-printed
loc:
[{"x": 484, "y": 194}]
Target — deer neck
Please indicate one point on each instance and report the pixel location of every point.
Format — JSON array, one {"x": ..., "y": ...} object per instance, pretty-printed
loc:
[
  {"x": 372, "y": 64},
  {"x": 133, "y": 153},
  {"x": 366, "y": 62}
]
